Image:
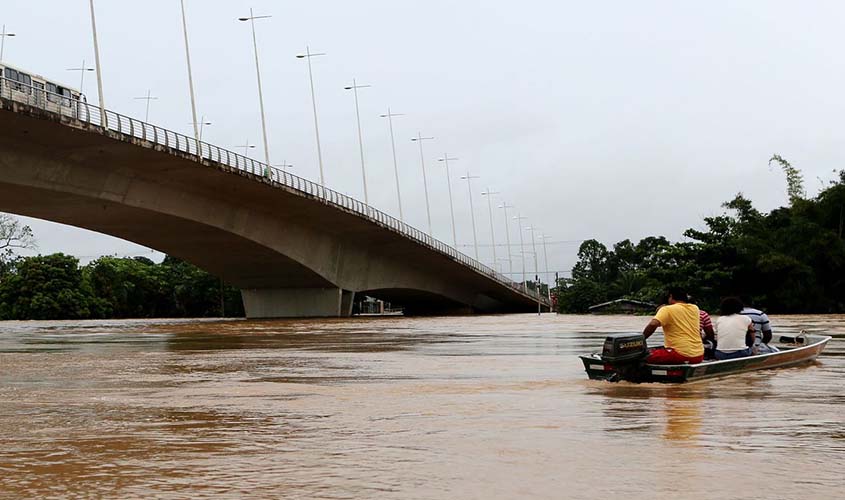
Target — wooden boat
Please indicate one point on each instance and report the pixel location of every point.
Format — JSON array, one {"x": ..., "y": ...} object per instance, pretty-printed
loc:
[{"x": 613, "y": 365}]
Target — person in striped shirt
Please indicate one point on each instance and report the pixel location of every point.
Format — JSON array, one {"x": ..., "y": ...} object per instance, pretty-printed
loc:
[
  {"x": 762, "y": 328},
  {"x": 705, "y": 329}
]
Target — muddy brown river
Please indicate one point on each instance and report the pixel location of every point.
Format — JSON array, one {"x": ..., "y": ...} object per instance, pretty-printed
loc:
[{"x": 468, "y": 407}]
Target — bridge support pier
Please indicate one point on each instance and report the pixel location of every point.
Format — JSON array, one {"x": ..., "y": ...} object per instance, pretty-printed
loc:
[{"x": 297, "y": 302}]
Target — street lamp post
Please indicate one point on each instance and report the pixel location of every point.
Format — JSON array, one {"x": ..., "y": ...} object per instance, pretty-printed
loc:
[
  {"x": 519, "y": 218},
  {"x": 544, "y": 237},
  {"x": 446, "y": 159},
  {"x": 252, "y": 19},
  {"x": 103, "y": 118},
  {"x": 190, "y": 76},
  {"x": 469, "y": 179},
  {"x": 82, "y": 69},
  {"x": 307, "y": 56},
  {"x": 354, "y": 88},
  {"x": 533, "y": 248},
  {"x": 504, "y": 206},
  {"x": 389, "y": 117},
  {"x": 3, "y": 36},
  {"x": 419, "y": 140},
  {"x": 247, "y": 146},
  {"x": 149, "y": 97},
  {"x": 201, "y": 124},
  {"x": 536, "y": 270},
  {"x": 489, "y": 194}
]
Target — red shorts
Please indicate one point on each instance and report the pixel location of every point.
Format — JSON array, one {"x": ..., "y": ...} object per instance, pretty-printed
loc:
[{"x": 669, "y": 356}]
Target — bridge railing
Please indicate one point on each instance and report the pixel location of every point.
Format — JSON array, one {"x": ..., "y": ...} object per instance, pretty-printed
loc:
[{"x": 109, "y": 120}]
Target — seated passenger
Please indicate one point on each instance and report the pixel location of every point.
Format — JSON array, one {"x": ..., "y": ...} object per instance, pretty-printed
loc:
[
  {"x": 680, "y": 322},
  {"x": 762, "y": 327},
  {"x": 734, "y": 331}
]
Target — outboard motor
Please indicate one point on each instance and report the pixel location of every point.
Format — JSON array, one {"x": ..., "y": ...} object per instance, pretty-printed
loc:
[{"x": 624, "y": 352}]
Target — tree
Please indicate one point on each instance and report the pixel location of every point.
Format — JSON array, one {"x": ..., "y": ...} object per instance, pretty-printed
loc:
[
  {"x": 794, "y": 179},
  {"x": 45, "y": 287},
  {"x": 14, "y": 236}
]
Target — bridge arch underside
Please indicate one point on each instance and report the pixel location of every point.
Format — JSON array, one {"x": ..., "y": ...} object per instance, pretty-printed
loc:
[{"x": 291, "y": 255}]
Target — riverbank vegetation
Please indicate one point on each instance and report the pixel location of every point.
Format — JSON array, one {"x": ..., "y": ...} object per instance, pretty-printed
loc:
[
  {"x": 790, "y": 260},
  {"x": 55, "y": 286}
]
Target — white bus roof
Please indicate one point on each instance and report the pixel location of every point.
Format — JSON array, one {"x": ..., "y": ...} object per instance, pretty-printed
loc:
[{"x": 4, "y": 64}]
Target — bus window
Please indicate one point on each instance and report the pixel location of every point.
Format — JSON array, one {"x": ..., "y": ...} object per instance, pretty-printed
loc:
[
  {"x": 27, "y": 81},
  {"x": 12, "y": 77},
  {"x": 52, "y": 90},
  {"x": 66, "y": 93}
]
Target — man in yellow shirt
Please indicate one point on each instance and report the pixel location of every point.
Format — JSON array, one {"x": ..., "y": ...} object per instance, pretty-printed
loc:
[{"x": 680, "y": 322}]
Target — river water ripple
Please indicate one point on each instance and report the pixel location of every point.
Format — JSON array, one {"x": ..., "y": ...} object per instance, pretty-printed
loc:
[{"x": 465, "y": 407}]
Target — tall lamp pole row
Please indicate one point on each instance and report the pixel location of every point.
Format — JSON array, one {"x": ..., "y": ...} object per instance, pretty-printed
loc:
[{"x": 198, "y": 124}]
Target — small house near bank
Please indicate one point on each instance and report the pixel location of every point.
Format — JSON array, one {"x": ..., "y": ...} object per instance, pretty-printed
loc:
[{"x": 623, "y": 306}]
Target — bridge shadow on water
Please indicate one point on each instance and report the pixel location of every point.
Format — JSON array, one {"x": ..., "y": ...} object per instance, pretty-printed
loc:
[{"x": 323, "y": 335}]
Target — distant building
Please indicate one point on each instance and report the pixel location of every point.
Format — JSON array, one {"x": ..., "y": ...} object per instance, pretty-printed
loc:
[{"x": 623, "y": 306}]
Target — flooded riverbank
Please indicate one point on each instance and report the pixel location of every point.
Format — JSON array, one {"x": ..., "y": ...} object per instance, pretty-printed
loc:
[{"x": 468, "y": 407}]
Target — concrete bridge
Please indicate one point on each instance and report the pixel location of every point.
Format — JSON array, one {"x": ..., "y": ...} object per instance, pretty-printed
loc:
[{"x": 294, "y": 248}]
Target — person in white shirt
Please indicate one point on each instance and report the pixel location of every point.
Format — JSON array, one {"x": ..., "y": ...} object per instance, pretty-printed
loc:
[{"x": 734, "y": 331}]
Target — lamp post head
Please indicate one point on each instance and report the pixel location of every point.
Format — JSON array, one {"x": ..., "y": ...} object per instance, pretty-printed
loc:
[
  {"x": 251, "y": 17},
  {"x": 300, "y": 56}
]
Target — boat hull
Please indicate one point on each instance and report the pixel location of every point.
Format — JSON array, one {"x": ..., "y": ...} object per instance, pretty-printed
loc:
[{"x": 789, "y": 355}]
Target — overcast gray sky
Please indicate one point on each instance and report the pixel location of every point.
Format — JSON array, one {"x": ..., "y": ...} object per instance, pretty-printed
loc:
[{"x": 605, "y": 119}]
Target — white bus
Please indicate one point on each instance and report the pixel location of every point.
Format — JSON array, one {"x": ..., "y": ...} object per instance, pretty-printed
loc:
[{"x": 30, "y": 88}]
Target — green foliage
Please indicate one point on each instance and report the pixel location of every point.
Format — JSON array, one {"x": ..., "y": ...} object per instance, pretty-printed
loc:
[
  {"x": 791, "y": 260},
  {"x": 44, "y": 287},
  {"x": 55, "y": 287},
  {"x": 794, "y": 179}
]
